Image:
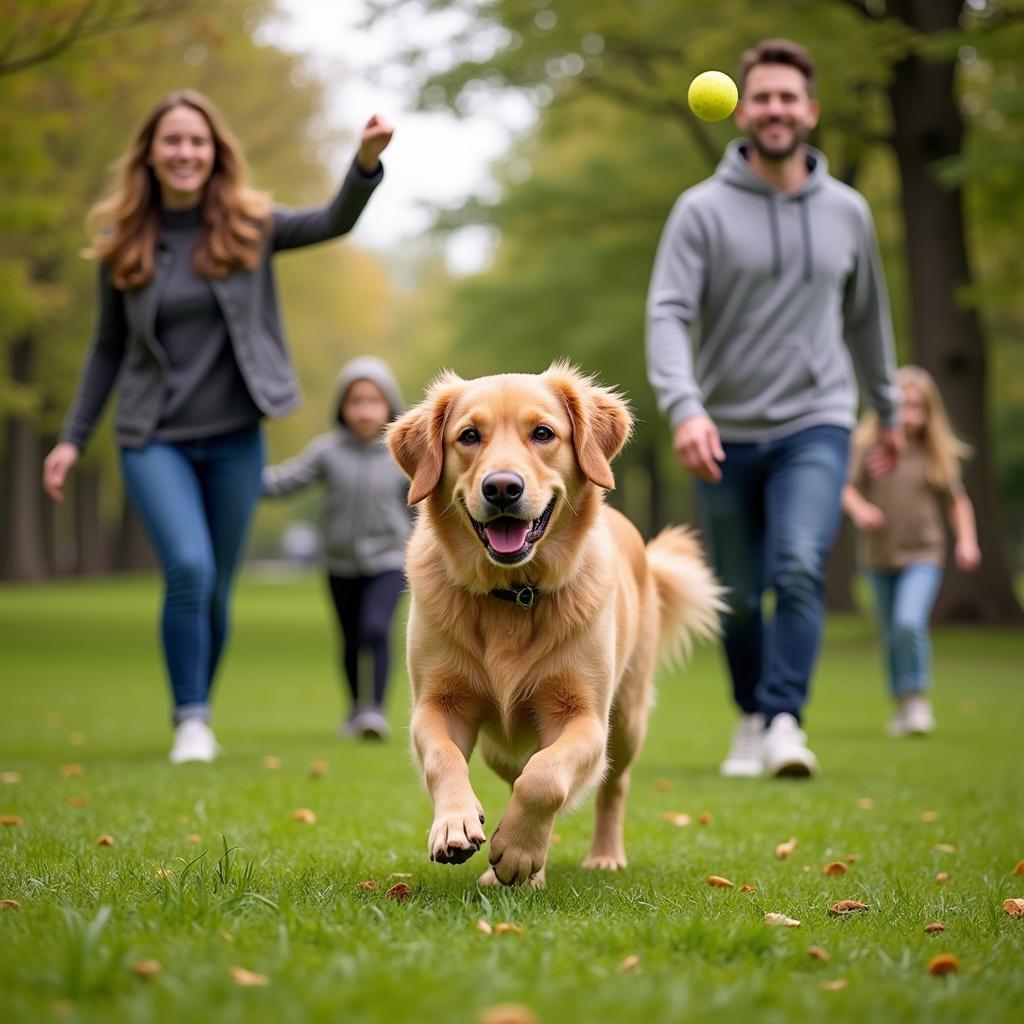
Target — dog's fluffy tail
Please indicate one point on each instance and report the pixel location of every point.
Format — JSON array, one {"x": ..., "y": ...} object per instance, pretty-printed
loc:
[{"x": 690, "y": 599}]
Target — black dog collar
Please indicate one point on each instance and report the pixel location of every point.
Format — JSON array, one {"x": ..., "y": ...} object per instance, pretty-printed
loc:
[{"x": 525, "y": 596}]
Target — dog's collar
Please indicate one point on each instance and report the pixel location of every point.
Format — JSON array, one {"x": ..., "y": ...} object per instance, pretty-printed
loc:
[{"x": 525, "y": 596}]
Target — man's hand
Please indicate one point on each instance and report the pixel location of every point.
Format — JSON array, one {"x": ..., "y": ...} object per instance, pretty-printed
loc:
[
  {"x": 374, "y": 140},
  {"x": 885, "y": 454},
  {"x": 56, "y": 467},
  {"x": 699, "y": 449},
  {"x": 967, "y": 555},
  {"x": 868, "y": 517}
]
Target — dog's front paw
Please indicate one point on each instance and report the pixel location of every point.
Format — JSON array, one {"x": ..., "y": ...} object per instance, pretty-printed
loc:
[
  {"x": 456, "y": 836},
  {"x": 518, "y": 855}
]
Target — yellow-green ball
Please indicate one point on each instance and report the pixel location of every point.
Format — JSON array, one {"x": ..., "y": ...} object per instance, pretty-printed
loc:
[{"x": 712, "y": 96}]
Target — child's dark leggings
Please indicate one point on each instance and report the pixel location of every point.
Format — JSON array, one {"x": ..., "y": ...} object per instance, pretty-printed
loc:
[{"x": 365, "y": 606}]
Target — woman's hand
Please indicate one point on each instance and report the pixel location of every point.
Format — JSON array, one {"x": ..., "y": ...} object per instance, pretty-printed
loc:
[
  {"x": 867, "y": 517},
  {"x": 375, "y": 138},
  {"x": 56, "y": 467},
  {"x": 967, "y": 556}
]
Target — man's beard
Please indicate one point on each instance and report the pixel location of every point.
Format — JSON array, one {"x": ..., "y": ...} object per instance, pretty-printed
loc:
[{"x": 798, "y": 138}]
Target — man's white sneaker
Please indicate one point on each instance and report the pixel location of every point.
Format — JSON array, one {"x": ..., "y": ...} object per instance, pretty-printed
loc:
[
  {"x": 785, "y": 749},
  {"x": 918, "y": 718},
  {"x": 193, "y": 741},
  {"x": 745, "y": 758}
]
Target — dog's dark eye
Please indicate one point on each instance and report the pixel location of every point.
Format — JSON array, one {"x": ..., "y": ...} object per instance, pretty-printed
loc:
[
  {"x": 469, "y": 436},
  {"x": 543, "y": 434}
]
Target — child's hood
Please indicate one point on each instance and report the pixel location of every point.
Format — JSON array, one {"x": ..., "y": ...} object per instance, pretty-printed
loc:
[{"x": 372, "y": 369}]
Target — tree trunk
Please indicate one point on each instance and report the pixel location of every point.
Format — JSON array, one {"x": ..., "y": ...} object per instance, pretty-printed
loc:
[
  {"x": 90, "y": 553},
  {"x": 22, "y": 553},
  {"x": 133, "y": 551},
  {"x": 840, "y": 571},
  {"x": 948, "y": 340}
]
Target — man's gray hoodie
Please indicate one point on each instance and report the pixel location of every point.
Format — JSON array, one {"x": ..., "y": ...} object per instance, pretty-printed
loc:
[
  {"x": 779, "y": 291},
  {"x": 365, "y": 522}
]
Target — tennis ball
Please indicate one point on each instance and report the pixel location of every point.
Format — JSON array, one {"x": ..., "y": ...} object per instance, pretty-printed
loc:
[{"x": 712, "y": 96}]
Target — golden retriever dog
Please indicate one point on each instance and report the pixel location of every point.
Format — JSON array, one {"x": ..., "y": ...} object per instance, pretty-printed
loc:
[{"x": 537, "y": 613}]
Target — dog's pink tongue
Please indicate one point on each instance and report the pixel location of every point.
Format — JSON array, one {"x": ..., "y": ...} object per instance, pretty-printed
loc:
[{"x": 506, "y": 535}]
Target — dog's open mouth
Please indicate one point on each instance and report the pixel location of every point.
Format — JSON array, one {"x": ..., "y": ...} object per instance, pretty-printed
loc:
[{"x": 509, "y": 540}]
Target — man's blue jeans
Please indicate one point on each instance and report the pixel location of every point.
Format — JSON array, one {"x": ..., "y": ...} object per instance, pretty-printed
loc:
[
  {"x": 769, "y": 525},
  {"x": 904, "y": 601},
  {"x": 196, "y": 500}
]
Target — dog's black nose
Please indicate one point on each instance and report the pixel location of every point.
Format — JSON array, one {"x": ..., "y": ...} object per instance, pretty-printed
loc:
[{"x": 503, "y": 488}]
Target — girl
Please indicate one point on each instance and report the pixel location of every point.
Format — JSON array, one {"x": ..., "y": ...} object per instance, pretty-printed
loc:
[
  {"x": 903, "y": 539},
  {"x": 188, "y": 328},
  {"x": 366, "y": 523}
]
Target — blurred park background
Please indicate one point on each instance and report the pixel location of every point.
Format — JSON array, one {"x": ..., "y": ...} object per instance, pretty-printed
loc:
[{"x": 923, "y": 112}]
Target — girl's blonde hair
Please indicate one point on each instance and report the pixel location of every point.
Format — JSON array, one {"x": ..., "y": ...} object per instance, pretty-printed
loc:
[
  {"x": 944, "y": 451},
  {"x": 124, "y": 225}
]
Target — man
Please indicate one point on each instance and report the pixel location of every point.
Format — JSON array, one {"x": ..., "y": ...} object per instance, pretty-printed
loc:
[{"x": 771, "y": 267}]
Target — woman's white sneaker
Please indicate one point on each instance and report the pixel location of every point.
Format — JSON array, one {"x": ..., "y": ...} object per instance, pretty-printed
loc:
[
  {"x": 193, "y": 741},
  {"x": 918, "y": 718},
  {"x": 746, "y": 758},
  {"x": 785, "y": 749}
]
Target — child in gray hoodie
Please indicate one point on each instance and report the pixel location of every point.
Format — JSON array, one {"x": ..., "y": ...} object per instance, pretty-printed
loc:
[{"x": 365, "y": 525}]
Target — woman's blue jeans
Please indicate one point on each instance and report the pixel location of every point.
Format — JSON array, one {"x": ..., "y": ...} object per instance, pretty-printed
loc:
[
  {"x": 769, "y": 525},
  {"x": 904, "y": 601},
  {"x": 196, "y": 499}
]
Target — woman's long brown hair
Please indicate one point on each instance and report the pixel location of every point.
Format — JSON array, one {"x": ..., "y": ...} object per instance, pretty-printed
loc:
[{"x": 124, "y": 225}]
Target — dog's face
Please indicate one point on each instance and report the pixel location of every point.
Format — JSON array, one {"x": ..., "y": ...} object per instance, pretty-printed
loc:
[{"x": 509, "y": 454}]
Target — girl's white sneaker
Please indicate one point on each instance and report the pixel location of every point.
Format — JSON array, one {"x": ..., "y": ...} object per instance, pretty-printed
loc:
[
  {"x": 193, "y": 741},
  {"x": 918, "y": 717}
]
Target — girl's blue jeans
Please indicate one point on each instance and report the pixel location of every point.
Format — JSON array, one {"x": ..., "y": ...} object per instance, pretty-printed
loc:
[
  {"x": 196, "y": 499},
  {"x": 904, "y": 600}
]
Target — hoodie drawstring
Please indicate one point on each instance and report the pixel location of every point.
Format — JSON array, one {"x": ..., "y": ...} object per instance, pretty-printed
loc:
[
  {"x": 805, "y": 231},
  {"x": 805, "y": 224},
  {"x": 773, "y": 221}
]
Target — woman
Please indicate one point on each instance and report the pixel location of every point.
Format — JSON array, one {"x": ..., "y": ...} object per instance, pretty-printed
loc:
[{"x": 188, "y": 327}]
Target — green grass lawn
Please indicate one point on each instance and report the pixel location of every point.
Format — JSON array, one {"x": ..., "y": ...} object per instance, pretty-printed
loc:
[{"x": 82, "y": 683}]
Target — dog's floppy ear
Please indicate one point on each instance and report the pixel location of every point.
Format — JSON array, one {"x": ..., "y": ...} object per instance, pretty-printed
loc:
[
  {"x": 416, "y": 438},
  {"x": 601, "y": 421}
]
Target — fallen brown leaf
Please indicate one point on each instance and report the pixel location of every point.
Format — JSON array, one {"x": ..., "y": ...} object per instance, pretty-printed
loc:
[
  {"x": 662, "y": 785},
  {"x": 942, "y": 878},
  {"x": 10, "y": 778},
  {"x": 9, "y": 904},
  {"x": 483, "y": 927},
  {"x": 783, "y": 850},
  {"x": 248, "y": 979},
  {"x": 935, "y": 926},
  {"x": 852, "y": 858},
  {"x": 193, "y": 837},
  {"x": 164, "y": 872},
  {"x": 835, "y": 985},
  {"x": 817, "y": 953},
  {"x": 227, "y": 936},
  {"x": 944, "y": 963},
  {"x": 271, "y": 762},
  {"x": 71, "y": 771},
  {"x": 944, "y": 848},
  {"x": 504, "y": 928},
  {"x": 400, "y": 874},
  {"x": 718, "y": 882},
  {"x": 1019, "y": 869},
  {"x": 146, "y": 969},
  {"x": 630, "y": 963},
  {"x": 78, "y": 801},
  {"x": 105, "y": 841},
  {"x": 76, "y": 739},
  {"x": 318, "y": 769},
  {"x": 399, "y": 892},
  {"x": 835, "y": 867},
  {"x": 704, "y": 818},
  {"x": 676, "y": 818},
  {"x": 10, "y": 820},
  {"x": 369, "y": 884},
  {"x": 782, "y": 919},
  {"x": 748, "y": 889},
  {"x": 847, "y": 907},
  {"x": 1014, "y": 907},
  {"x": 507, "y": 1013},
  {"x": 930, "y": 816},
  {"x": 865, "y": 803},
  {"x": 305, "y": 815}
]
